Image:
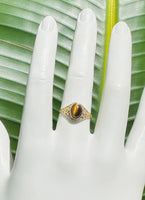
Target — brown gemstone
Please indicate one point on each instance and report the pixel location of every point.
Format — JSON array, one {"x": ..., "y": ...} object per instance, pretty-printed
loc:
[{"x": 76, "y": 111}]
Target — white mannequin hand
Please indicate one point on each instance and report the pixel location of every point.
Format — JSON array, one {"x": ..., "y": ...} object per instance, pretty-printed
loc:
[{"x": 70, "y": 163}]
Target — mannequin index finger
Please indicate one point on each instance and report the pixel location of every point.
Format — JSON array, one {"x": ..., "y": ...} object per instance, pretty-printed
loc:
[{"x": 37, "y": 114}]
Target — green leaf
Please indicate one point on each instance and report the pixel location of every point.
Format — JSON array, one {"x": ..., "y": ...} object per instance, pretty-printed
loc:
[{"x": 19, "y": 20}]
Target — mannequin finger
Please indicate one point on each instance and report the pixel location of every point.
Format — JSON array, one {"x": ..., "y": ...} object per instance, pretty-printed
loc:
[
  {"x": 80, "y": 76},
  {"x": 113, "y": 113},
  {"x": 136, "y": 139},
  {"x": 37, "y": 114},
  {"x": 36, "y": 123},
  {"x": 4, "y": 150}
]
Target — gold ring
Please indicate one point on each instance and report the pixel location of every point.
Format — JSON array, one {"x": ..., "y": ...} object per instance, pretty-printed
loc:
[{"x": 75, "y": 112}]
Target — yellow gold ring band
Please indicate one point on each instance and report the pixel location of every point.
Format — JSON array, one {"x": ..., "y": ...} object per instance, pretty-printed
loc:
[{"x": 75, "y": 112}]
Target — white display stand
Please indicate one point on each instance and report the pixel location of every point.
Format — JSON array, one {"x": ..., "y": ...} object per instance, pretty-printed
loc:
[{"x": 70, "y": 163}]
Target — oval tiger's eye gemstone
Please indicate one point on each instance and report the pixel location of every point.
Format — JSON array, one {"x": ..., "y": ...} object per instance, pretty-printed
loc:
[{"x": 76, "y": 110}]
